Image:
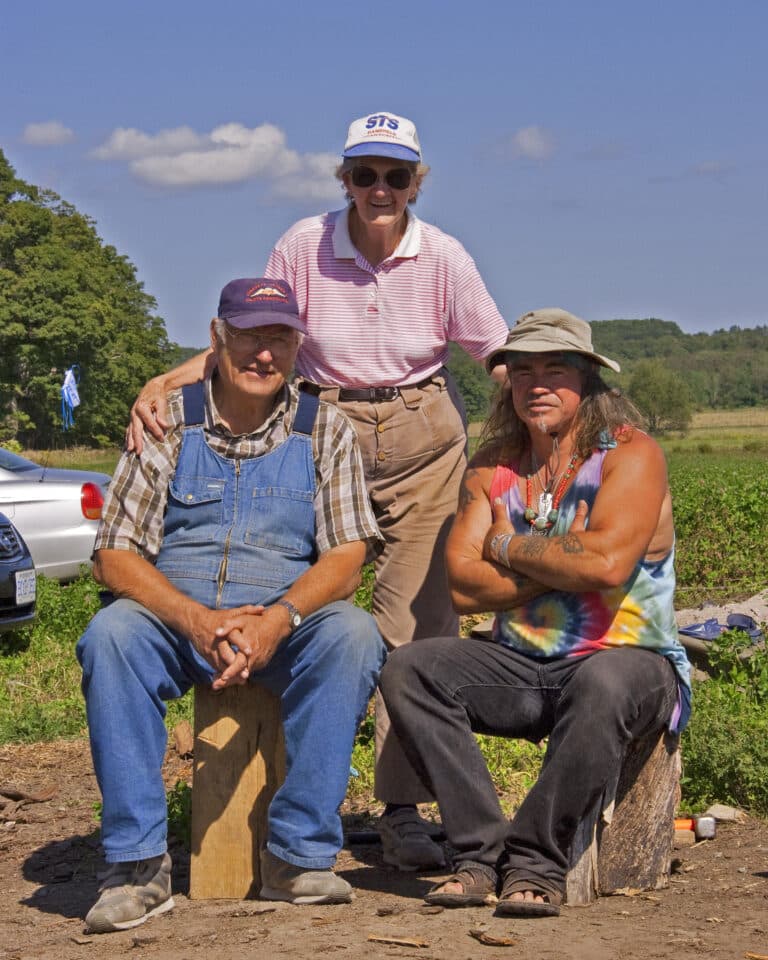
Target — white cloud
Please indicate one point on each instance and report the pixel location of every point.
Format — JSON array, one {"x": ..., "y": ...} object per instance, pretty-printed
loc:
[
  {"x": 314, "y": 180},
  {"x": 48, "y": 134},
  {"x": 533, "y": 143},
  {"x": 230, "y": 153},
  {"x": 131, "y": 144}
]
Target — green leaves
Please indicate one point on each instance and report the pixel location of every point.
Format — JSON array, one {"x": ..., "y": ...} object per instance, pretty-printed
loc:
[
  {"x": 66, "y": 298},
  {"x": 662, "y": 396},
  {"x": 719, "y": 509},
  {"x": 725, "y": 747}
]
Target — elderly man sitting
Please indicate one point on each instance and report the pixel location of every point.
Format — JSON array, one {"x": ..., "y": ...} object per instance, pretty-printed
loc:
[
  {"x": 565, "y": 529},
  {"x": 231, "y": 545}
]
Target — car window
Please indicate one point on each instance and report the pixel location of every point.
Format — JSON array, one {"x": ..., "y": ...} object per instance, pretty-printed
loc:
[{"x": 15, "y": 463}]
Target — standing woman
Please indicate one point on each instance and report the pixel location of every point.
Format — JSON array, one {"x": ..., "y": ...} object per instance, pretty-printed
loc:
[{"x": 382, "y": 294}]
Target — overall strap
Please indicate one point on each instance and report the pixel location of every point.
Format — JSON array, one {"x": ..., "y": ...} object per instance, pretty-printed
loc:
[
  {"x": 193, "y": 399},
  {"x": 306, "y": 413}
]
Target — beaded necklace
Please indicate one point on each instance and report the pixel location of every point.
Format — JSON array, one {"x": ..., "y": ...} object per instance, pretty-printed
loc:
[{"x": 542, "y": 520}]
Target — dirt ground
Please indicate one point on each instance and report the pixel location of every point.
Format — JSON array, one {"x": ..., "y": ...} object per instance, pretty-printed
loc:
[{"x": 716, "y": 904}]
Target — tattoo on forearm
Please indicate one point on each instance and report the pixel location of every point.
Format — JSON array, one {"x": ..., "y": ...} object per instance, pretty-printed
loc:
[
  {"x": 570, "y": 543},
  {"x": 465, "y": 494},
  {"x": 533, "y": 547}
]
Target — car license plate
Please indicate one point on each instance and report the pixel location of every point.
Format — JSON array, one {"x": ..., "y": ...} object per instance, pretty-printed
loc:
[{"x": 26, "y": 587}]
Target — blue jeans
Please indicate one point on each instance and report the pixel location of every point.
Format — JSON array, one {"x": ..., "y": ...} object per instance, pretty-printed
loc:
[
  {"x": 440, "y": 691},
  {"x": 324, "y": 674}
]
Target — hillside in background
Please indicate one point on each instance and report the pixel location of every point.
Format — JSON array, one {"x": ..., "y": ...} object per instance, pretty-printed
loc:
[{"x": 727, "y": 368}]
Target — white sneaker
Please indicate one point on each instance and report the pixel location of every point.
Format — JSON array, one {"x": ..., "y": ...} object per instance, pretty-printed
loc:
[
  {"x": 131, "y": 893},
  {"x": 406, "y": 842}
]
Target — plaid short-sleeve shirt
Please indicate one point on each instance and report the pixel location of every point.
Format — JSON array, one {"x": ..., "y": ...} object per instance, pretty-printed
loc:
[{"x": 134, "y": 510}]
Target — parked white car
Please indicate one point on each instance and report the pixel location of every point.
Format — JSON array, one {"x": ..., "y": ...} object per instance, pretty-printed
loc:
[{"x": 56, "y": 511}]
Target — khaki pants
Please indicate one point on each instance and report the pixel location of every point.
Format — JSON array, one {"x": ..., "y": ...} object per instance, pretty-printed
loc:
[{"x": 414, "y": 453}]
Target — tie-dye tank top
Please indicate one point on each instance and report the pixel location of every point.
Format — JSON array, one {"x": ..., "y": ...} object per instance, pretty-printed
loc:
[{"x": 561, "y": 624}]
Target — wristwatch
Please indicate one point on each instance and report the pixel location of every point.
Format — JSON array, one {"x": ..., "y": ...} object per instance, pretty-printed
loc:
[{"x": 294, "y": 617}]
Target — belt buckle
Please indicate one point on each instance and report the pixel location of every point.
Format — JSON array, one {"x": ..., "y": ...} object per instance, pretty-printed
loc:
[{"x": 381, "y": 394}]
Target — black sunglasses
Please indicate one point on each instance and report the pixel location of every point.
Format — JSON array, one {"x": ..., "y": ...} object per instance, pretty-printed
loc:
[{"x": 398, "y": 179}]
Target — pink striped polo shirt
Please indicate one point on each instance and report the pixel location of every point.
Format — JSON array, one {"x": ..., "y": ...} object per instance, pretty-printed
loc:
[{"x": 389, "y": 325}]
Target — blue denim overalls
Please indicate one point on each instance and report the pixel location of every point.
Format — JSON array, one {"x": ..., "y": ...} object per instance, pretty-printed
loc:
[{"x": 235, "y": 532}]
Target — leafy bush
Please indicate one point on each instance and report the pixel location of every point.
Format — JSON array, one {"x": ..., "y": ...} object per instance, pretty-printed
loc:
[{"x": 725, "y": 747}]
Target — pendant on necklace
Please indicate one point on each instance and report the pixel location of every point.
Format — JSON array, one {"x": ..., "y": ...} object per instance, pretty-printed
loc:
[{"x": 545, "y": 504}]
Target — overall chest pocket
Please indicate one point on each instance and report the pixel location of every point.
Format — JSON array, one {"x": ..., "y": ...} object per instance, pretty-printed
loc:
[
  {"x": 282, "y": 519},
  {"x": 194, "y": 503}
]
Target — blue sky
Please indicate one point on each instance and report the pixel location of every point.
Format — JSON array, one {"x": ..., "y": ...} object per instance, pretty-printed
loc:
[{"x": 605, "y": 157}]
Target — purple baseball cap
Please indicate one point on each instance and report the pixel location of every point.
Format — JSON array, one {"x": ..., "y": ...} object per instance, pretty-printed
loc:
[{"x": 259, "y": 302}]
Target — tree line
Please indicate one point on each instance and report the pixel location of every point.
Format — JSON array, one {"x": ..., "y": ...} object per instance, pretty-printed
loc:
[{"x": 68, "y": 298}]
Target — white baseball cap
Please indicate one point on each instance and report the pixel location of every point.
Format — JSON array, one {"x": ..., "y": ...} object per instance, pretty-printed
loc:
[{"x": 383, "y": 135}]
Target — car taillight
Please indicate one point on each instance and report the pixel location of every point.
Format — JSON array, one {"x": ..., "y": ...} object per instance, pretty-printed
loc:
[{"x": 91, "y": 501}]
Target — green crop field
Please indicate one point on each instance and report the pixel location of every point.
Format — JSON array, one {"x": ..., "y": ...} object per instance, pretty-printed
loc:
[{"x": 719, "y": 508}]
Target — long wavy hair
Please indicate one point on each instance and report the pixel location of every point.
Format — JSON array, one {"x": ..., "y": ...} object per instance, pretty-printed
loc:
[{"x": 603, "y": 414}]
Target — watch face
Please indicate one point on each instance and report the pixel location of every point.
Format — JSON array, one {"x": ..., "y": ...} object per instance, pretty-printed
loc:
[{"x": 294, "y": 617}]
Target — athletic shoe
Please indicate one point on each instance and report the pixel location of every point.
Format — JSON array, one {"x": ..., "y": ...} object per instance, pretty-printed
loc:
[
  {"x": 284, "y": 881},
  {"x": 131, "y": 893}
]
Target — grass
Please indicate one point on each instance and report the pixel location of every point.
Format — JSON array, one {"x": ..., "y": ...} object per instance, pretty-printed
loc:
[
  {"x": 39, "y": 675},
  {"x": 722, "y": 431},
  {"x": 76, "y": 458},
  {"x": 40, "y": 695}
]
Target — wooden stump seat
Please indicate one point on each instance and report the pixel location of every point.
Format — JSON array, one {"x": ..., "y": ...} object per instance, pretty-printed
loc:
[
  {"x": 624, "y": 844},
  {"x": 239, "y": 762}
]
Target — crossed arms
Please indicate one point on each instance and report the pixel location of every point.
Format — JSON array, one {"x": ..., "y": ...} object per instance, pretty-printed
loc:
[{"x": 631, "y": 519}]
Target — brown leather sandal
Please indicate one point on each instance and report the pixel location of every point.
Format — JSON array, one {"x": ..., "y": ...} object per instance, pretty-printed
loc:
[
  {"x": 478, "y": 890},
  {"x": 549, "y": 906}
]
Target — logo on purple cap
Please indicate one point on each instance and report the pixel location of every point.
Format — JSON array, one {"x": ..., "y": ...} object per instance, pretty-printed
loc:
[{"x": 262, "y": 291}]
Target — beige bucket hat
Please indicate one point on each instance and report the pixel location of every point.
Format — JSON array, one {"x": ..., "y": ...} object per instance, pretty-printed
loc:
[{"x": 547, "y": 331}]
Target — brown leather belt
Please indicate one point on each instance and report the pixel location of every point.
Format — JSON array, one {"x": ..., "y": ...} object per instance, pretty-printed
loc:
[{"x": 368, "y": 394}]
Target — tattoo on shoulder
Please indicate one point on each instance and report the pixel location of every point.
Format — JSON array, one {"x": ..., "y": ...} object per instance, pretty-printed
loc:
[
  {"x": 465, "y": 494},
  {"x": 570, "y": 543}
]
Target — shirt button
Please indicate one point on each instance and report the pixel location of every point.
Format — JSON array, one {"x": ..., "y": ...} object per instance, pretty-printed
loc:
[
  {"x": 189, "y": 496},
  {"x": 380, "y": 427},
  {"x": 381, "y": 456}
]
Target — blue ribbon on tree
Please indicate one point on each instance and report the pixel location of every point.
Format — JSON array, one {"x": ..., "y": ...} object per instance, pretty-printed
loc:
[{"x": 70, "y": 398}]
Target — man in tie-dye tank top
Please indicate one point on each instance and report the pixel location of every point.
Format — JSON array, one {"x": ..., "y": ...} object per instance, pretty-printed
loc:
[{"x": 565, "y": 529}]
